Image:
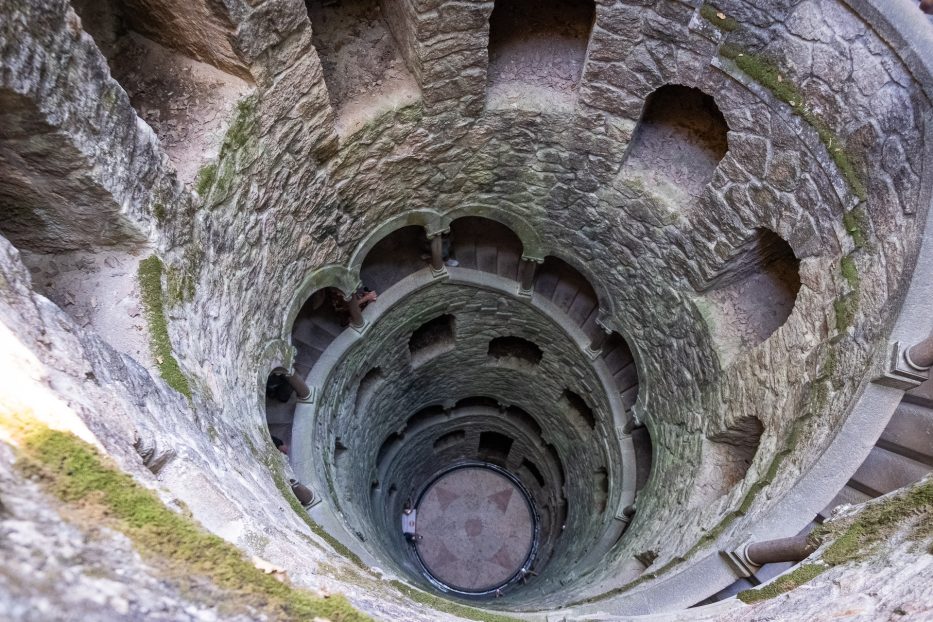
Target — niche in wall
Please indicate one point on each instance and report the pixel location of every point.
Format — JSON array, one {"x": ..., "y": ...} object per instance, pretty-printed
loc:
[
  {"x": 431, "y": 339},
  {"x": 752, "y": 294},
  {"x": 369, "y": 384},
  {"x": 727, "y": 456},
  {"x": 183, "y": 82},
  {"x": 533, "y": 471},
  {"x": 514, "y": 352},
  {"x": 678, "y": 143},
  {"x": 536, "y": 53},
  {"x": 494, "y": 447},
  {"x": 577, "y": 408},
  {"x": 449, "y": 440},
  {"x": 392, "y": 441},
  {"x": 644, "y": 456},
  {"x": 364, "y": 71},
  {"x": 81, "y": 250}
]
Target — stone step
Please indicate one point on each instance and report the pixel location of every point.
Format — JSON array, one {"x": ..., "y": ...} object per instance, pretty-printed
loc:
[
  {"x": 884, "y": 471},
  {"x": 910, "y": 433}
]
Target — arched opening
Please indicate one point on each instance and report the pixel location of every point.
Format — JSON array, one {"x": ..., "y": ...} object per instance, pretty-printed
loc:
[
  {"x": 431, "y": 339},
  {"x": 280, "y": 408},
  {"x": 514, "y": 352},
  {"x": 570, "y": 291},
  {"x": 578, "y": 409},
  {"x": 486, "y": 245},
  {"x": 183, "y": 82},
  {"x": 536, "y": 53},
  {"x": 526, "y": 420},
  {"x": 678, "y": 143},
  {"x": 368, "y": 386},
  {"x": 394, "y": 257},
  {"x": 495, "y": 447},
  {"x": 425, "y": 415},
  {"x": 644, "y": 455},
  {"x": 322, "y": 317},
  {"x": 618, "y": 358},
  {"x": 364, "y": 70},
  {"x": 391, "y": 442},
  {"x": 477, "y": 401},
  {"x": 449, "y": 439},
  {"x": 753, "y": 293}
]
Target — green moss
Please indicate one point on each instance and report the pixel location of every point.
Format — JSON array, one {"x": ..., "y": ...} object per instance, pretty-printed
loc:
[
  {"x": 788, "y": 582},
  {"x": 75, "y": 472},
  {"x": 767, "y": 74},
  {"x": 447, "y": 606},
  {"x": 274, "y": 464},
  {"x": 158, "y": 210},
  {"x": 856, "y": 538},
  {"x": 205, "y": 179},
  {"x": 845, "y": 309},
  {"x": 243, "y": 125},
  {"x": 150, "y": 285},
  {"x": 849, "y": 272},
  {"x": 181, "y": 279},
  {"x": 717, "y": 18},
  {"x": 856, "y": 223}
]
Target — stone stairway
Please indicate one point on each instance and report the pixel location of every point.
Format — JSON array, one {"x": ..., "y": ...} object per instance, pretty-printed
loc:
[
  {"x": 903, "y": 455},
  {"x": 480, "y": 244},
  {"x": 312, "y": 332},
  {"x": 570, "y": 292}
]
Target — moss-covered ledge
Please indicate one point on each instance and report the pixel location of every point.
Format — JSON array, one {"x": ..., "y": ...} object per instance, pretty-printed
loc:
[
  {"x": 178, "y": 547},
  {"x": 854, "y": 537}
]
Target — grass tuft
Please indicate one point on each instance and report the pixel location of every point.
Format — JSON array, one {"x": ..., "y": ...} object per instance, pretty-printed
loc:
[
  {"x": 150, "y": 285},
  {"x": 788, "y": 582},
  {"x": 77, "y": 474}
]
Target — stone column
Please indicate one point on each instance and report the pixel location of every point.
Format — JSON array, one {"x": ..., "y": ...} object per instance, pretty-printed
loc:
[
  {"x": 526, "y": 276},
  {"x": 302, "y": 390},
  {"x": 793, "y": 549},
  {"x": 356, "y": 314},
  {"x": 920, "y": 356},
  {"x": 598, "y": 342}
]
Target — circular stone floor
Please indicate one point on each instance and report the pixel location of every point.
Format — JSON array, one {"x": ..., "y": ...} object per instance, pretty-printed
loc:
[{"x": 477, "y": 529}]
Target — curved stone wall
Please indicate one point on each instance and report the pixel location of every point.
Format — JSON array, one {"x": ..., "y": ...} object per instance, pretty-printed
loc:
[{"x": 826, "y": 145}]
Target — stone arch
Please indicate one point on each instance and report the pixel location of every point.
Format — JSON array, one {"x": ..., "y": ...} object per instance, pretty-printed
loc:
[
  {"x": 429, "y": 219},
  {"x": 533, "y": 248},
  {"x": 335, "y": 276}
]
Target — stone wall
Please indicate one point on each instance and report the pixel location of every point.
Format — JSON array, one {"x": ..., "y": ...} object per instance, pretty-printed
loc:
[{"x": 286, "y": 199}]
